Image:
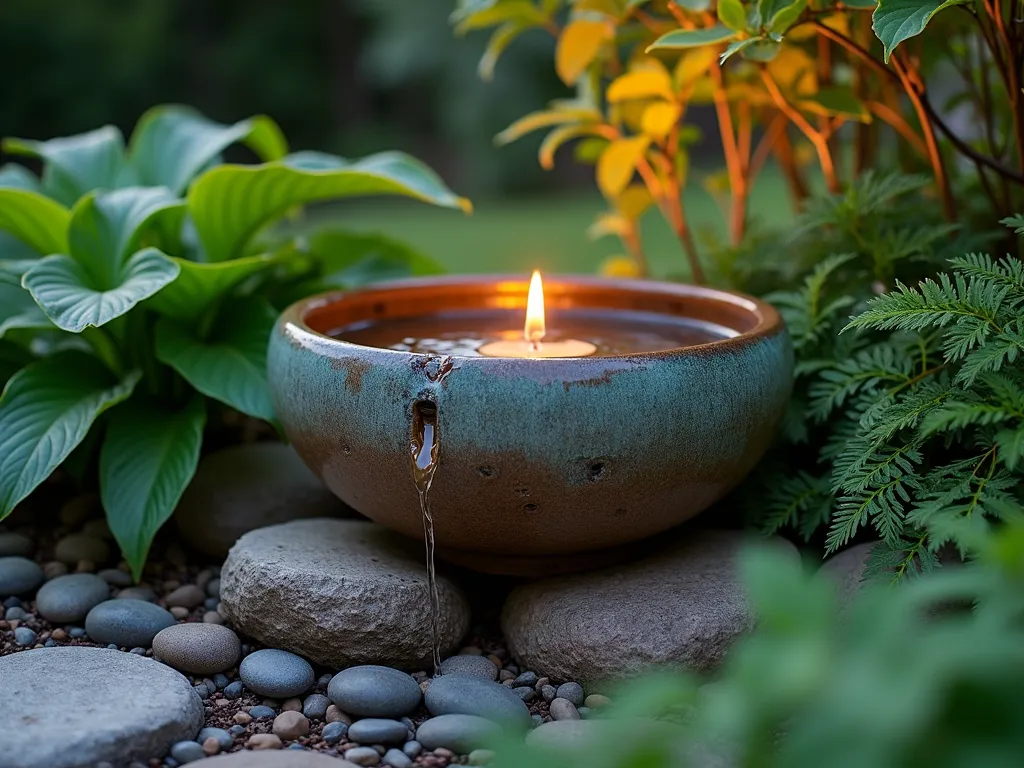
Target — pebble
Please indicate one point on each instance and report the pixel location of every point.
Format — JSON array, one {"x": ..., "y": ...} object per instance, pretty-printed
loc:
[
  {"x": 213, "y": 587},
  {"x": 334, "y": 732},
  {"x": 264, "y": 741},
  {"x": 374, "y": 691},
  {"x": 277, "y": 673},
  {"x": 236, "y": 729},
  {"x": 262, "y": 711},
  {"x": 222, "y": 737},
  {"x": 15, "y": 613},
  {"x": 315, "y": 706},
  {"x": 324, "y": 680},
  {"x": 179, "y": 613},
  {"x": 53, "y": 569},
  {"x": 571, "y": 692},
  {"x": 212, "y": 617},
  {"x": 77, "y": 633},
  {"x": 396, "y": 758},
  {"x": 536, "y": 720},
  {"x": 362, "y": 755},
  {"x": 97, "y": 529},
  {"x": 13, "y": 602},
  {"x": 85, "y": 566},
  {"x": 506, "y": 676},
  {"x": 373, "y": 730},
  {"x": 525, "y": 693},
  {"x": 127, "y": 623},
  {"x": 462, "y": 733},
  {"x": 291, "y": 725},
  {"x": 474, "y": 666},
  {"x": 24, "y": 636},
  {"x": 458, "y": 694},
  {"x": 548, "y": 692},
  {"x": 596, "y": 701},
  {"x": 233, "y": 690},
  {"x": 140, "y": 592},
  {"x": 186, "y": 596},
  {"x": 481, "y": 757},
  {"x": 115, "y": 577},
  {"x": 335, "y": 715},
  {"x": 16, "y": 545},
  {"x": 59, "y": 634},
  {"x": 211, "y": 747},
  {"x": 563, "y": 709},
  {"x": 187, "y": 752},
  {"x": 412, "y": 749},
  {"x": 70, "y": 598},
  {"x": 19, "y": 576},
  {"x": 200, "y": 649},
  {"x": 221, "y": 681},
  {"x": 78, "y": 546},
  {"x": 243, "y": 718},
  {"x": 584, "y": 712},
  {"x": 526, "y": 678},
  {"x": 76, "y": 511}
]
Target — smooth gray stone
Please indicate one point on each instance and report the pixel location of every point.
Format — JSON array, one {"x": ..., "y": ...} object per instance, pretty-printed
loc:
[
  {"x": 563, "y": 709},
  {"x": 572, "y": 692},
  {"x": 396, "y": 758},
  {"x": 116, "y": 577},
  {"x": 24, "y": 636},
  {"x": 79, "y": 706},
  {"x": 334, "y": 732},
  {"x": 459, "y": 733},
  {"x": 462, "y": 695},
  {"x": 127, "y": 623},
  {"x": 362, "y": 756},
  {"x": 223, "y": 737},
  {"x": 19, "y": 576},
  {"x": 187, "y": 752},
  {"x": 70, "y": 598},
  {"x": 77, "y": 546},
  {"x": 374, "y": 691},
  {"x": 276, "y": 673},
  {"x": 198, "y": 648},
  {"x": 16, "y": 545},
  {"x": 315, "y": 706},
  {"x": 261, "y": 710},
  {"x": 474, "y": 666},
  {"x": 140, "y": 592},
  {"x": 375, "y": 730}
]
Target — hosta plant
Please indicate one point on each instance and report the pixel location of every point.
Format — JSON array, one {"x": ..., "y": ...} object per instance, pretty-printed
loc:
[{"x": 137, "y": 285}]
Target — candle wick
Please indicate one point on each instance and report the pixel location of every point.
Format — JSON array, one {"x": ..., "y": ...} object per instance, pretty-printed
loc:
[{"x": 535, "y": 344}]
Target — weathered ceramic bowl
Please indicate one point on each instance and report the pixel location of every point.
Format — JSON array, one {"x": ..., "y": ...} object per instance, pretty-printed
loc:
[{"x": 540, "y": 459}]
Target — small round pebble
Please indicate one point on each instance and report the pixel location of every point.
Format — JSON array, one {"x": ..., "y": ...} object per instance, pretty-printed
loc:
[
  {"x": 548, "y": 693},
  {"x": 526, "y": 678},
  {"x": 16, "y": 545},
  {"x": 315, "y": 706},
  {"x": 200, "y": 649},
  {"x": 211, "y": 747},
  {"x": 526, "y": 693},
  {"x": 374, "y": 730},
  {"x": 24, "y": 636},
  {"x": 462, "y": 733},
  {"x": 186, "y": 596},
  {"x": 396, "y": 758},
  {"x": 212, "y": 617},
  {"x": 334, "y": 732},
  {"x": 412, "y": 749},
  {"x": 362, "y": 755},
  {"x": 127, "y": 623},
  {"x": 78, "y": 546},
  {"x": 97, "y": 529},
  {"x": 15, "y": 613},
  {"x": 178, "y": 612},
  {"x": 19, "y": 576},
  {"x": 474, "y": 666},
  {"x": 596, "y": 701},
  {"x": 221, "y": 681},
  {"x": 262, "y": 711},
  {"x": 335, "y": 715},
  {"x": 291, "y": 705},
  {"x": 115, "y": 577},
  {"x": 291, "y": 725},
  {"x": 584, "y": 712},
  {"x": 233, "y": 690},
  {"x": 70, "y": 598},
  {"x": 265, "y": 741},
  {"x": 536, "y": 720},
  {"x": 54, "y": 569},
  {"x": 236, "y": 729},
  {"x": 563, "y": 709},
  {"x": 76, "y": 633},
  {"x": 187, "y": 752},
  {"x": 140, "y": 592},
  {"x": 277, "y": 673},
  {"x": 572, "y": 692},
  {"x": 242, "y": 718},
  {"x": 223, "y": 737},
  {"x": 373, "y": 691},
  {"x": 481, "y": 757}
]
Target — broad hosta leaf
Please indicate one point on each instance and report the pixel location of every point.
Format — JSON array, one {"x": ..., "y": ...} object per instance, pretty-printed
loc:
[
  {"x": 74, "y": 298},
  {"x": 35, "y": 220},
  {"x": 12, "y": 271},
  {"x": 172, "y": 144},
  {"x": 231, "y": 202},
  {"x": 230, "y": 365},
  {"x": 897, "y": 20},
  {"x": 349, "y": 259},
  {"x": 578, "y": 45},
  {"x": 199, "y": 284},
  {"x": 693, "y": 38},
  {"x": 18, "y": 310},
  {"x": 17, "y": 177},
  {"x": 45, "y": 411},
  {"x": 618, "y": 163},
  {"x": 73, "y": 165},
  {"x": 732, "y": 14},
  {"x": 535, "y": 120},
  {"x": 148, "y": 457}
]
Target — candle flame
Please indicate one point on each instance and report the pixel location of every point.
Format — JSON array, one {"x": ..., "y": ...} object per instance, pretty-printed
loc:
[{"x": 534, "y": 328}]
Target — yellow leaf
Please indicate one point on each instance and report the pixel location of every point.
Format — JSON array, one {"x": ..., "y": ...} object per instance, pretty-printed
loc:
[
  {"x": 618, "y": 162},
  {"x": 578, "y": 45},
  {"x": 840, "y": 22},
  {"x": 659, "y": 118},
  {"x": 693, "y": 65},
  {"x": 645, "y": 84},
  {"x": 633, "y": 201},
  {"x": 535, "y": 120},
  {"x": 557, "y": 137},
  {"x": 609, "y": 224},
  {"x": 794, "y": 70},
  {"x": 620, "y": 266}
]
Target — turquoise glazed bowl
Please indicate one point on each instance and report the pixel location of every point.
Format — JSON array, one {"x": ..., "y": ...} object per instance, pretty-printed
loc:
[{"x": 539, "y": 460}]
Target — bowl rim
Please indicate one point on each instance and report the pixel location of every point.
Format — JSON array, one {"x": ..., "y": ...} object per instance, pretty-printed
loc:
[{"x": 768, "y": 320}]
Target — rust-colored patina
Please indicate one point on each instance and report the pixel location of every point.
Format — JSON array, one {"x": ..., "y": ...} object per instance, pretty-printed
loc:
[{"x": 540, "y": 459}]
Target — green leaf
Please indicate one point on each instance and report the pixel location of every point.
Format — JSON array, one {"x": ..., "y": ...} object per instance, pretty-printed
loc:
[
  {"x": 837, "y": 100},
  {"x": 172, "y": 144},
  {"x": 761, "y": 50},
  {"x": 693, "y": 38},
  {"x": 230, "y": 203},
  {"x": 860, "y": 4},
  {"x": 13, "y": 357},
  {"x": 18, "y": 177},
  {"x": 75, "y": 299},
  {"x": 1011, "y": 446},
  {"x": 199, "y": 284},
  {"x": 19, "y": 311},
  {"x": 149, "y": 455},
  {"x": 897, "y": 20},
  {"x": 45, "y": 411},
  {"x": 74, "y": 165},
  {"x": 230, "y": 365},
  {"x": 349, "y": 259},
  {"x": 732, "y": 14},
  {"x": 779, "y": 15},
  {"x": 35, "y": 220},
  {"x": 1015, "y": 222},
  {"x": 735, "y": 47}
]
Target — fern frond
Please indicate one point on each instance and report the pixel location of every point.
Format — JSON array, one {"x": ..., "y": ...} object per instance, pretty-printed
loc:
[
  {"x": 866, "y": 370},
  {"x": 885, "y": 506},
  {"x": 1016, "y": 221},
  {"x": 791, "y": 499},
  {"x": 1011, "y": 446},
  {"x": 998, "y": 351},
  {"x": 890, "y": 416},
  {"x": 960, "y": 413},
  {"x": 1008, "y": 272},
  {"x": 908, "y": 558},
  {"x": 860, "y": 468}
]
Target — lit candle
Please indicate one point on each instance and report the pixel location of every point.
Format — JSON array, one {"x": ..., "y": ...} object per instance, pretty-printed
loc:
[{"x": 531, "y": 344}]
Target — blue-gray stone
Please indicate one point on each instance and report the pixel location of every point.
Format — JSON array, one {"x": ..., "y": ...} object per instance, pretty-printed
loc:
[
  {"x": 211, "y": 603},
  {"x": 221, "y": 680},
  {"x": 324, "y": 680},
  {"x": 315, "y": 706},
  {"x": 141, "y": 592},
  {"x": 70, "y": 598},
  {"x": 50, "y": 643},
  {"x": 374, "y": 730},
  {"x": 19, "y": 576},
  {"x": 116, "y": 577},
  {"x": 24, "y": 636},
  {"x": 462, "y": 695},
  {"x": 276, "y": 673},
  {"x": 213, "y": 587},
  {"x": 76, "y": 632},
  {"x": 236, "y": 730},
  {"x": 536, "y": 720},
  {"x": 12, "y": 602},
  {"x": 473, "y": 666},
  {"x": 571, "y": 692},
  {"x": 127, "y": 623},
  {"x": 262, "y": 710},
  {"x": 16, "y": 545},
  {"x": 202, "y": 690},
  {"x": 584, "y": 712},
  {"x": 138, "y": 651},
  {"x": 459, "y": 733},
  {"x": 14, "y": 612},
  {"x": 233, "y": 690},
  {"x": 526, "y": 678},
  {"x": 374, "y": 691},
  {"x": 223, "y": 737},
  {"x": 334, "y": 732},
  {"x": 525, "y": 693},
  {"x": 396, "y": 758},
  {"x": 187, "y": 752},
  {"x": 170, "y": 762},
  {"x": 412, "y": 749},
  {"x": 362, "y": 755}
]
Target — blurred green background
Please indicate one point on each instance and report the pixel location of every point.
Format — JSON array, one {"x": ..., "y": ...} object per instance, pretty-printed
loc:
[{"x": 350, "y": 77}]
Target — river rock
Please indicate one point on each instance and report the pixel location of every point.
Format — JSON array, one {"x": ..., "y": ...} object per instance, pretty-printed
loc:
[
  {"x": 19, "y": 576},
  {"x": 340, "y": 592},
  {"x": 275, "y": 673},
  {"x": 276, "y": 759},
  {"x": 474, "y": 666},
  {"x": 79, "y": 706},
  {"x": 463, "y": 695},
  {"x": 199, "y": 649},
  {"x": 77, "y": 546},
  {"x": 375, "y": 730},
  {"x": 374, "y": 691},
  {"x": 16, "y": 545},
  {"x": 683, "y": 606},
  {"x": 126, "y": 623},
  {"x": 69, "y": 598},
  {"x": 459, "y": 733},
  {"x": 240, "y": 489}
]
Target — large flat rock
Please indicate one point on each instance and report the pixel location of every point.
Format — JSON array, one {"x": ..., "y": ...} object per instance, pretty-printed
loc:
[
  {"x": 76, "y": 707},
  {"x": 339, "y": 592}
]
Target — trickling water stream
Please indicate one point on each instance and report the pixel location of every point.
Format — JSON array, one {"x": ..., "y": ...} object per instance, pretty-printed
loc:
[{"x": 424, "y": 450}]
